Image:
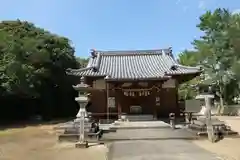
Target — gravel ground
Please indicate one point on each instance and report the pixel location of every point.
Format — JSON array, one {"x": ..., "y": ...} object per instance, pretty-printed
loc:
[
  {"x": 228, "y": 147},
  {"x": 40, "y": 143}
]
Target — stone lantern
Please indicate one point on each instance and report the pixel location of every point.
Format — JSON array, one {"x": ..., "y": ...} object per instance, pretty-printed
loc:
[
  {"x": 210, "y": 130},
  {"x": 82, "y": 100}
]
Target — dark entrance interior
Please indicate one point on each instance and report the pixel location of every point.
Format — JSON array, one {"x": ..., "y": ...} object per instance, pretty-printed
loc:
[{"x": 138, "y": 105}]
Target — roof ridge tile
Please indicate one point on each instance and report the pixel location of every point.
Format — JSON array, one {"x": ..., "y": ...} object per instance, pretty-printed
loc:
[{"x": 134, "y": 52}]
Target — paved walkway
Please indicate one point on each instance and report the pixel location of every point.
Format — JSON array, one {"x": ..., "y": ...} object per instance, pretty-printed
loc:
[
  {"x": 148, "y": 144},
  {"x": 153, "y": 130},
  {"x": 158, "y": 150},
  {"x": 149, "y": 134}
]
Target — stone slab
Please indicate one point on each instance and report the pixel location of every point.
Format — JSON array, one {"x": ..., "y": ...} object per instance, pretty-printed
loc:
[
  {"x": 74, "y": 126},
  {"x": 148, "y": 134},
  {"x": 141, "y": 124},
  {"x": 158, "y": 150}
]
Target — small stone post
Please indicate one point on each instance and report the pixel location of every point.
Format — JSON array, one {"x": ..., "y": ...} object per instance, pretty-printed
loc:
[
  {"x": 80, "y": 117},
  {"x": 172, "y": 120},
  {"x": 210, "y": 130}
]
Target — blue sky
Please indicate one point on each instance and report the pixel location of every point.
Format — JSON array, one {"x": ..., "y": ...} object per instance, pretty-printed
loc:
[{"x": 117, "y": 24}]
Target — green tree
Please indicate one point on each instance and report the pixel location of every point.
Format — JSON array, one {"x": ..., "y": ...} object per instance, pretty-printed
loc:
[
  {"x": 220, "y": 55},
  {"x": 188, "y": 90},
  {"x": 218, "y": 52},
  {"x": 82, "y": 62},
  {"x": 32, "y": 67},
  {"x": 188, "y": 58}
]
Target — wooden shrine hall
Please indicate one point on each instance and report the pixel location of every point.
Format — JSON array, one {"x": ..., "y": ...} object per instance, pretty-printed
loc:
[{"x": 138, "y": 82}]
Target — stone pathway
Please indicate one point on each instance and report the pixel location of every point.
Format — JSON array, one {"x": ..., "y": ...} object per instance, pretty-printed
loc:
[
  {"x": 158, "y": 150},
  {"x": 149, "y": 134},
  {"x": 139, "y": 143}
]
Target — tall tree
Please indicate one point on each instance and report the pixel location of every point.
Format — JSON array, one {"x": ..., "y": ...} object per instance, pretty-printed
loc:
[
  {"x": 32, "y": 67},
  {"x": 217, "y": 51},
  {"x": 215, "y": 48}
]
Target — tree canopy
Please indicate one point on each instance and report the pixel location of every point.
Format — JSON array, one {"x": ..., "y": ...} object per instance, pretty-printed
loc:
[
  {"x": 32, "y": 67},
  {"x": 217, "y": 51}
]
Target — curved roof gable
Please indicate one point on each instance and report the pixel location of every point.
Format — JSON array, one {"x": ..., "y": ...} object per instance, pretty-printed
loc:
[{"x": 138, "y": 64}]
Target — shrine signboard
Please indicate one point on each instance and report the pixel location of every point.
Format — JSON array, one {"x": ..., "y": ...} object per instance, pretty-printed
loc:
[{"x": 111, "y": 102}]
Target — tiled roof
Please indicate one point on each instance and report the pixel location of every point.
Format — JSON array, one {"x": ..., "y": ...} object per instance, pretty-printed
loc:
[{"x": 130, "y": 65}]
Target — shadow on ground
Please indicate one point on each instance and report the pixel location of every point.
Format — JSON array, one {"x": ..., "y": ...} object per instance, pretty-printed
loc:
[{"x": 24, "y": 124}]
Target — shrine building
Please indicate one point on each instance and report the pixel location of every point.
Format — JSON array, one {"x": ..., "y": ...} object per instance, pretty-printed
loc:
[{"x": 136, "y": 82}]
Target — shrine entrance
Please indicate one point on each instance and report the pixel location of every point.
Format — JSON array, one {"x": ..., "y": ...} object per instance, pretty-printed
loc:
[{"x": 138, "y": 101}]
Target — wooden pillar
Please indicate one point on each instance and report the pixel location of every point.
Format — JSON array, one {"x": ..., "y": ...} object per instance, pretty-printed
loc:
[
  {"x": 155, "y": 107},
  {"x": 159, "y": 94},
  {"x": 177, "y": 104},
  {"x": 117, "y": 97},
  {"x": 107, "y": 93}
]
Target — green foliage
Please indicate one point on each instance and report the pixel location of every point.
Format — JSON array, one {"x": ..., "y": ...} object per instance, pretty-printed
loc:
[
  {"x": 188, "y": 58},
  {"x": 32, "y": 66},
  {"x": 187, "y": 89},
  {"x": 29, "y": 55},
  {"x": 82, "y": 62},
  {"x": 217, "y": 51}
]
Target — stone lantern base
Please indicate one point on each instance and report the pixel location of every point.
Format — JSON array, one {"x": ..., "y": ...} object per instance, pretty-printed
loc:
[{"x": 81, "y": 144}]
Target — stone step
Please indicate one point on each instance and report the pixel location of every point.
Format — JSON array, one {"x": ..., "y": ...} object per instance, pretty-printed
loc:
[
  {"x": 140, "y": 124},
  {"x": 226, "y": 133},
  {"x": 75, "y": 138},
  {"x": 149, "y": 134},
  {"x": 140, "y": 117}
]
